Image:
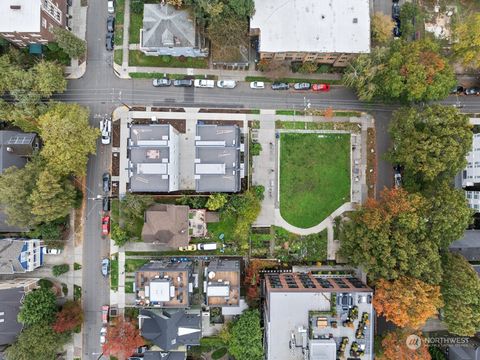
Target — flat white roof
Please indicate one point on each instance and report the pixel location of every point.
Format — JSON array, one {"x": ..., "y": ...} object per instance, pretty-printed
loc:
[
  {"x": 209, "y": 169},
  {"x": 25, "y": 19},
  {"x": 218, "y": 290},
  {"x": 159, "y": 291},
  {"x": 325, "y": 26},
  {"x": 152, "y": 168}
]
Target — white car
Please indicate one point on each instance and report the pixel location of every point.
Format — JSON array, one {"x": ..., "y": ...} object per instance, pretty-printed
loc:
[
  {"x": 257, "y": 85},
  {"x": 106, "y": 129},
  {"x": 226, "y": 84},
  {"x": 49, "y": 251},
  {"x": 204, "y": 83},
  {"x": 103, "y": 334},
  {"x": 110, "y": 7}
]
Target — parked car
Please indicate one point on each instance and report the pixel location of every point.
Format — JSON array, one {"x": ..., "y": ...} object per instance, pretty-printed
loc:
[
  {"x": 105, "y": 225},
  {"x": 106, "y": 182},
  {"x": 257, "y": 85},
  {"x": 109, "y": 41},
  {"x": 474, "y": 90},
  {"x": 106, "y": 204},
  {"x": 161, "y": 82},
  {"x": 302, "y": 86},
  {"x": 105, "y": 314},
  {"x": 226, "y": 84},
  {"x": 397, "y": 176},
  {"x": 105, "y": 266},
  {"x": 141, "y": 350},
  {"x": 183, "y": 83},
  {"x": 395, "y": 10},
  {"x": 321, "y": 87},
  {"x": 110, "y": 23},
  {"x": 106, "y": 130},
  {"x": 191, "y": 247},
  {"x": 457, "y": 90},
  {"x": 103, "y": 334},
  {"x": 204, "y": 83},
  {"x": 280, "y": 86},
  {"x": 110, "y": 7},
  {"x": 211, "y": 246},
  {"x": 396, "y": 30},
  {"x": 51, "y": 251}
]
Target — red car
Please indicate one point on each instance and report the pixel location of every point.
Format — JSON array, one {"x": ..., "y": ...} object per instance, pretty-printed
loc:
[
  {"x": 321, "y": 87},
  {"x": 105, "y": 225},
  {"x": 105, "y": 314}
]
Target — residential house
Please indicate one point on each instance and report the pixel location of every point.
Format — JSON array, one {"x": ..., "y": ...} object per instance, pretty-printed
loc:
[
  {"x": 165, "y": 284},
  {"x": 327, "y": 31},
  {"x": 171, "y": 329},
  {"x": 308, "y": 316},
  {"x": 170, "y": 31},
  {"x": 19, "y": 256},
  {"x": 470, "y": 352},
  {"x": 163, "y": 355},
  {"x": 12, "y": 293},
  {"x": 26, "y": 22},
  {"x": 166, "y": 225},
  {"x": 217, "y": 158},
  {"x": 222, "y": 282},
  {"x": 470, "y": 176}
]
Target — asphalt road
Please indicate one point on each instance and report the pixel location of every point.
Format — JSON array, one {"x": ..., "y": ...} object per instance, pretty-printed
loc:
[{"x": 102, "y": 91}]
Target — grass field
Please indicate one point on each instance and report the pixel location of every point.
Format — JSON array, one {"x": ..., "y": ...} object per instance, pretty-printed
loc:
[
  {"x": 136, "y": 23},
  {"x": 137, "y": 58},
  {"x": 314, "y": 176}
]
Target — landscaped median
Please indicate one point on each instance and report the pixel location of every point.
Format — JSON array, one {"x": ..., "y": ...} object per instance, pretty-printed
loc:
[{"x": 314, "y": 176}]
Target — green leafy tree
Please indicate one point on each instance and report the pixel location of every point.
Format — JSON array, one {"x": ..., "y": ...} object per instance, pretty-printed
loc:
[
  {"x": 132, "y": 209},
  {"x": 389, "y": 238},
  {"x": 405, "y": 71},
  {"x": 39, "y": 307},
  {"x": 241, "y": 8},
  {"x": 246, "y": 207},
  {"x": 246, "y": 337},
  {"x": 410, "y": 14},
  {"x": 216, "y": 201},
  {"x": 228, "y": 34},
  {"x": 49, "y": 78},
  {"x": 23, "y": 113},
  {"x": 461, "y": 293},
  {"x": 70, "y": 43},
  {"x": 382, "y": 28},
  {"x": 118, "y": 235},
  {"x": 37, "y": 342},
  {"x": 68, "y": 139},
  {"x": 467, "y": 45},
  {"x": 61, "y": 269},
  {"x": 52, "y": 198},
  {"x": 430, "y": 143}
]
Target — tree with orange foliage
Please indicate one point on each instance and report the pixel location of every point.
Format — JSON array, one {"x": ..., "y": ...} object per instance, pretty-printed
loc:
[
  {"x": 122, "y": 338},
  {"x": 404, "y": 346},
  {"x": 69, "y": 318},
  {"x": 406, "y": 302},
  {"x": 390, "y": 238},
  {"x": 329, "y": 113}
]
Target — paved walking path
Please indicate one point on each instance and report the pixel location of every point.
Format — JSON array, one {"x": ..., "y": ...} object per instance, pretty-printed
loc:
[{"x": 79, "y": 27}]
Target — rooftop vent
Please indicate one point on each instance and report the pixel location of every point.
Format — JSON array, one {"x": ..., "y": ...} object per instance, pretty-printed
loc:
[
  {"x": 15, "y": 7},
  {"x": 355, "y": 20}
]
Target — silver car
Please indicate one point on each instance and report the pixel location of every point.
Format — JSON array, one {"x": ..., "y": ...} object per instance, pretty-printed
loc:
[
  {"x": 105, "y": 266},
  {"x": 161, "y": 82}
]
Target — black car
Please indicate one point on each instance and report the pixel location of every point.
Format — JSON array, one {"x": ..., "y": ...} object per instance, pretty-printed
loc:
[
  {"x": 280, "y": 86},
  {"x": 395, "y": 11},
  {"x": 161, "y": 82},
  {"x": 109, "y": 42},
  {"x": 106, "y": 203},
  {"x": 474, "y": 90},
  {"x": 110, "y": 23},
  {"x": 457, "y": 90},
  {"x": 106, "y": 182},
  {"x": 183, "y": 83},
  {"x": 396, "y": 30}
]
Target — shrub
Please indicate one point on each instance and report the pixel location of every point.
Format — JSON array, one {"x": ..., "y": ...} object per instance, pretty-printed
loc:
[
  {"x": 324, "y": 68},
  {"x": 58, "y": 270},
  {"x": 307, "y": 68},
  {"x": 136, "y": 6},
  {"x": 77, "y": 266},
  {"x": 182, "y": 58},
  {"x": 64, "y": 289},
  {"x": 166, "y": 58},
  {"x": 45, "y": 284},
  {"x": 255, "y": 148}
]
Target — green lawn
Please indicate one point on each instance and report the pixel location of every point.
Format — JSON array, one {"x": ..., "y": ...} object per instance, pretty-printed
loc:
[
  {"x": 118, "y": 57},
  {"x": 132, "y": 265},
  {"x": 136, "y": 23},
  {"x": 314, "y": 176},
  {"x": 129, "y": 287},
  {"x": 114, "y": 273},
  {"x": 119, "y": 14},
  {"x": 137, "y": 58}
]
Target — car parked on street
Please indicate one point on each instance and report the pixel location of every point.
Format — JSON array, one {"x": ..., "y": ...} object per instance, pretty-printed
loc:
[
  {"x": 110, "y": 7},
  {"x": 105, "y": 314},
  {"x": 457, "y": 90},
  {"x": 106, "y": 204},
  {"x": 395, "y": 11},
  {"x": 51, "y": 251},
  {"x": 105, "y": 225},
  {"x": 204, "y": 83},
  {"x": 105, "y": 266},
  {"x": 103, "y": 334},
  {"x": 302, "y": 86},
  {"x": 106, "y": 182},
  {"x": 110, "y": 23},
  {"x": 183, "y": 83},
  {"x": 320, "y": 87},
  {"x": 109, "y": 41},
  {"x": 396, "y": 29},
  {"x": 257, "y": 85},
  {"x": 474, "y": 90},
  {"x": 226, "y": 84},
  {"x": 106, "y": 130},
  {"x": 397, "y": 176},
  {"x": 163, "y": 82},
  {"x": 280, "y": 86}
]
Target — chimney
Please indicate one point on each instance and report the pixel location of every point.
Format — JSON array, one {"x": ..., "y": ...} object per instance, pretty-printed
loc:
[
  {"x": 15, "y": 7},
  {"x": 9, "y": 149}
]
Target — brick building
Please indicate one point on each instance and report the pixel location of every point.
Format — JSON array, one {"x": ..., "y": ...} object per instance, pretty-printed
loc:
[{"x": 26, "y": 22}]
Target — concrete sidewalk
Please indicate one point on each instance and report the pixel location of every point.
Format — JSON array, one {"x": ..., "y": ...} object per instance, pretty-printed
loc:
[{"x": 78, "y": 24}]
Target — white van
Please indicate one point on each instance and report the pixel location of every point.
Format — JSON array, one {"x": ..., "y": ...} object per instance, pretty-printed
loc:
[
  {"x": 110, "y": 7},
  {"x": 226, "y": 84},
  {"x": 211, "y": 246},
  {"x": 204, "y": 83}
]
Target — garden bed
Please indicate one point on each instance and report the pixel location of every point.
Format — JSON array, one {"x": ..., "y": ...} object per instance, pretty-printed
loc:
[
  {"x": 317, "y": 125},
  {"x": 223, "y": 122},
  {"x": 116, "y": 134},
  {"x": 163, "y": 109},
  {"x": 115, "y": 164},
  {"x": 229, "y": 111},
  {"x": 138, "y": 58},
  {"x": 371, "y": 163},
  {"x": 177, "y": 124}
]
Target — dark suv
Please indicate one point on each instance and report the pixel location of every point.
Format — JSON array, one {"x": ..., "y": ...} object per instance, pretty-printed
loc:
[
  {"x": 183, "y": 83},
  {"x": 106, "y": 182},
  {"x": 110, "y": 23},
  {"x": 280, "y": 86},
  {"x": 109, "y": 41}
]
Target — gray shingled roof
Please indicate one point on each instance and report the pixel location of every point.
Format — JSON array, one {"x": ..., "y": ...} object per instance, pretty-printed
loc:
[
  {"x": 9, "y": 252},
  {"x": 161, "y": 355},
  {"x": 165, "y": 26},
  {"x": 10, "y": 301}
]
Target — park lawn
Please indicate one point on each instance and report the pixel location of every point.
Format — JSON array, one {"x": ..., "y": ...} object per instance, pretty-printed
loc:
[
  {"x": 314, "y": 176},
  {"x": 138, "y": 58},
  {"x": 136, "y": 23}
]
